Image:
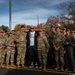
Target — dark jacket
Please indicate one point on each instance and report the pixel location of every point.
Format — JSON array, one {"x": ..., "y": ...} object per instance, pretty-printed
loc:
[
  {"x": 35, "y": 40},
  {"x": 70, "y": 40},
  {"x": 51, "y": 38}
]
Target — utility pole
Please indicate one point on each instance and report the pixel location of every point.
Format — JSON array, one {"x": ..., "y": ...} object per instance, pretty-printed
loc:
[
  {"x": 10, "y": 9},
  {"x": 38, "y": 20}
]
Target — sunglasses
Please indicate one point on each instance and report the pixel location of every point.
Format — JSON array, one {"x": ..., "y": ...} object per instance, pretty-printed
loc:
[{"x": 32, "y": 28}]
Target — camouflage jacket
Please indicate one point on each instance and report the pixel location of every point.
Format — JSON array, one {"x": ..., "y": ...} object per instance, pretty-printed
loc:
[
  {"x": 42, "y": 42},
  {"x": 21, "y": 39},
  {"x": 58, "y": 40},
  {"x": 3, "y": 41},
  {"x": 10, "y": 40}
]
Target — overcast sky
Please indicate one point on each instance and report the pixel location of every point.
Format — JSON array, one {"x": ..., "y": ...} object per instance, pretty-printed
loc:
[{"x": 26, "y": 11}]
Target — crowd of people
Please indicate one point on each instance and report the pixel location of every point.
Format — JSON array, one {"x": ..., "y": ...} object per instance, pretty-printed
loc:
[{"x": 38, "y": 49}]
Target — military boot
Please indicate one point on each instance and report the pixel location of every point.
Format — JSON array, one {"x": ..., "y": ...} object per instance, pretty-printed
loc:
[
  {"x": 66, "y": 69},
  {"x": 44, "y": 68},
  {"x": 1, "y": 65},
  {"x": 57, "y": 68},
  {"x": 7, "y": 65},
  {"x": 41, "y": 67},
  {"x": 18, "y": 66},
  {"x": 12, "y": 64},
  {"x": 22, "y": 66},
  {"x": 73, "y": 71},
  {"x": 62, "y": 69}
]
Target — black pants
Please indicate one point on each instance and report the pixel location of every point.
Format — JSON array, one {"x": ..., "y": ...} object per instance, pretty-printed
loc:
[
  {"x": 33, "y": 54},
  {"x": 69, "y": 57},
  {"x": 51, "y": 63}
]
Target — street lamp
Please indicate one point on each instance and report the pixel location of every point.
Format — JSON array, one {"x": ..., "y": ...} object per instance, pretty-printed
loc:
[{"x": 10, "y": 20}]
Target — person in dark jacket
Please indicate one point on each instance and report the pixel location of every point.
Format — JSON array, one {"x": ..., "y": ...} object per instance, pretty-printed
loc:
[
  {"x": 32, "y": 47},
  {"x": 68, "y": 45}
]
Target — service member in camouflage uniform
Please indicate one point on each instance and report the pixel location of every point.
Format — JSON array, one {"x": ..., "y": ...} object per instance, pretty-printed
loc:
[
  {"x": 43, "y": 48},
  {"x": 73, "y": 34},
  {"x": 59, "y": 49},
  {"x": 10, "y": 49},
  {"x": 21, "y": 45},
  {"x": 2, "y": 47},
  {"x": 64, "y": 31},
  {"x": 51, "y": 53}
]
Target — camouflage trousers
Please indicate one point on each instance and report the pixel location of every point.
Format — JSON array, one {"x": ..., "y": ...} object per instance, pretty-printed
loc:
[
  {"x": 21, "y": 55},
  {"x": 2, "y": 55},
  {"x": 59, "y": 57},
  {"x": 42, "y": 55},
  {"x": 10, "y": 55}
]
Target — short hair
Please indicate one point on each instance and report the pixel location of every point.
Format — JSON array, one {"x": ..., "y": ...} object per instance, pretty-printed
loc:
[
  {"x": 31, "y": 27},
  {"x": 52, "y": 27},
  {"x": 64, "y": 29},
  {"x": 22, "y": 26}
]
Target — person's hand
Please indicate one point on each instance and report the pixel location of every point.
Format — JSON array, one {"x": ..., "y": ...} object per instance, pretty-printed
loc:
[
  {"x": 12, "y": 44},
  {"x": 2, "y": 46},
  {"x": 67, "y": 43},
  {"x": 47, "y": 50},
  {"x": 56, "y": 49},
  {"x": 22, "y": 39},
  {"x": 64, "y": 52}
]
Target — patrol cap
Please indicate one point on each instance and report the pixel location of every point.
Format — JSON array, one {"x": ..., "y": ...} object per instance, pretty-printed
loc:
[
  {"x": 57, "y": 27},
  {"x": 64, "y": 29},
  {"x": 61, "y": 30},
  {"x": 40, "y": 30},
  {"x": 11, "y": 32}
]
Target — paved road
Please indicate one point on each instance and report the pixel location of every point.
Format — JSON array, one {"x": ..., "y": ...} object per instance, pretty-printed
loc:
[{"x": 4, "y": 71}]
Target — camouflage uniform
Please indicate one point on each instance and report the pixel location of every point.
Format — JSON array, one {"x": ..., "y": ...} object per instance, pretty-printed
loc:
[
  {"x": 10, "y": 50},
  {"x": 73, "y": 34},
  {"x": 59, "y": 54},
  {"x": 2, "y": 49},
  {"x": 21, "y": 45},
  {"x": 51, "y": 54},
  {"x": 43, "y": 46}
]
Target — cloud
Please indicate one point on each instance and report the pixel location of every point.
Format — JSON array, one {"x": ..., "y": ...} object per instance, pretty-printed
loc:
[
  {"x": 4, "y": 20},
  {"x": 38, "y": 3},
  {"x": 27, "y": 22},
  {"x": 26, "y": 11},
  {"x": 32, "y": 14},
  {"x": 56, "y": 2},
  {"x": 28, "y": 17},
  {"x": 32, "y": 4},
  {"x": 3, "y": 1},
  {"x": 35, "y": 12}
]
